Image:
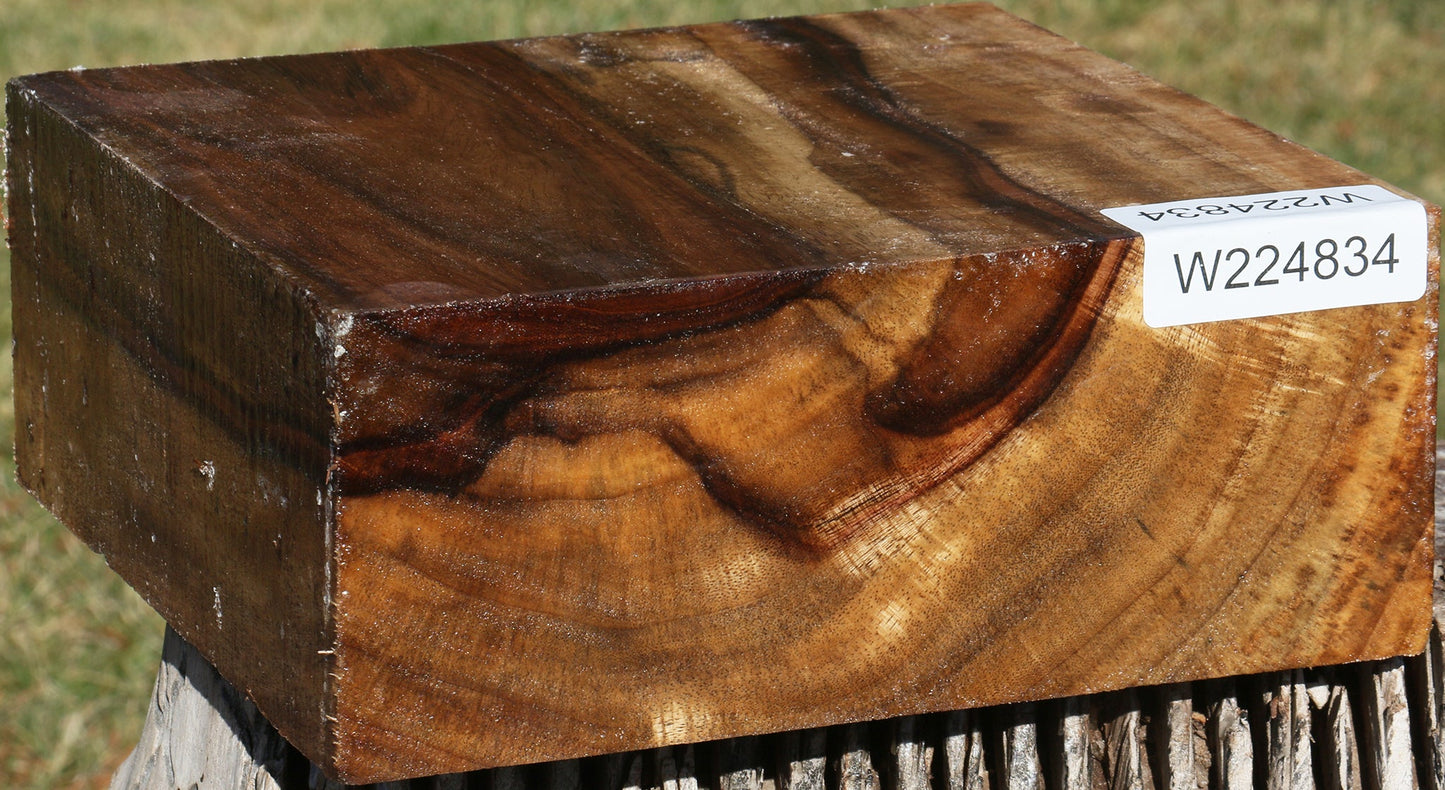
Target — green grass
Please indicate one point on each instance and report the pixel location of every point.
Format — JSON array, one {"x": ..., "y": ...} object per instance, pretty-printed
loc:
[{"x": 1352, "y": 78}]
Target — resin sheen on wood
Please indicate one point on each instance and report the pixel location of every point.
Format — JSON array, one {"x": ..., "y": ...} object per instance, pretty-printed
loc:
[{"x": 486, "y": 404}]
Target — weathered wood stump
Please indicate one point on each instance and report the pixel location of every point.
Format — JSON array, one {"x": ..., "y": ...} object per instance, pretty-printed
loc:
[{"x": 565, "y": 397}]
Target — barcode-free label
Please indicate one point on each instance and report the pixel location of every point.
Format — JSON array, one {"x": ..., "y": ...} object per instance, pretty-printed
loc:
[{"x": 1216, "y": 259}]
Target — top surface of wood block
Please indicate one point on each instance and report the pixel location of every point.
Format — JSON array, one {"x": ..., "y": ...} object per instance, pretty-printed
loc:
[
  {"x": 495, "y": 403},
  {"x": 389, "y": 179}
]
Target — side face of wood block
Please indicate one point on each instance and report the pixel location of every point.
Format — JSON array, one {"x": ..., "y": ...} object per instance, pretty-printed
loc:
[
  {"x": 170, "y": 410},
  {"x": 498, "y": 403}
]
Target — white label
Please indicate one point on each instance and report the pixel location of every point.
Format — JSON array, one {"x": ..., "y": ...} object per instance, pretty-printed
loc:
[{"x": 1215, "y": 259}]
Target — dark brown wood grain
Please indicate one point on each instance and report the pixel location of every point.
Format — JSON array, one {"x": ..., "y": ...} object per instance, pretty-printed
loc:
[
  {"x": 571, "y": 395},
  {"x": 172, "y": 414}
]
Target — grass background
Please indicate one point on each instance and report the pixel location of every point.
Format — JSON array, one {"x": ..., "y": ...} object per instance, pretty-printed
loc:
[{"x": 1356, "y": 79}]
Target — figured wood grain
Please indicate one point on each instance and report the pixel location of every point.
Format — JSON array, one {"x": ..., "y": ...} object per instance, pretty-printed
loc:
[
  {"x": 630, "y": 390},
  {"x": 200, "y": 731}
]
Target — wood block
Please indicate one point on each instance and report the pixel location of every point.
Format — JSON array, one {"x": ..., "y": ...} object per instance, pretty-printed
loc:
[{"x": 495, "y": 403}]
